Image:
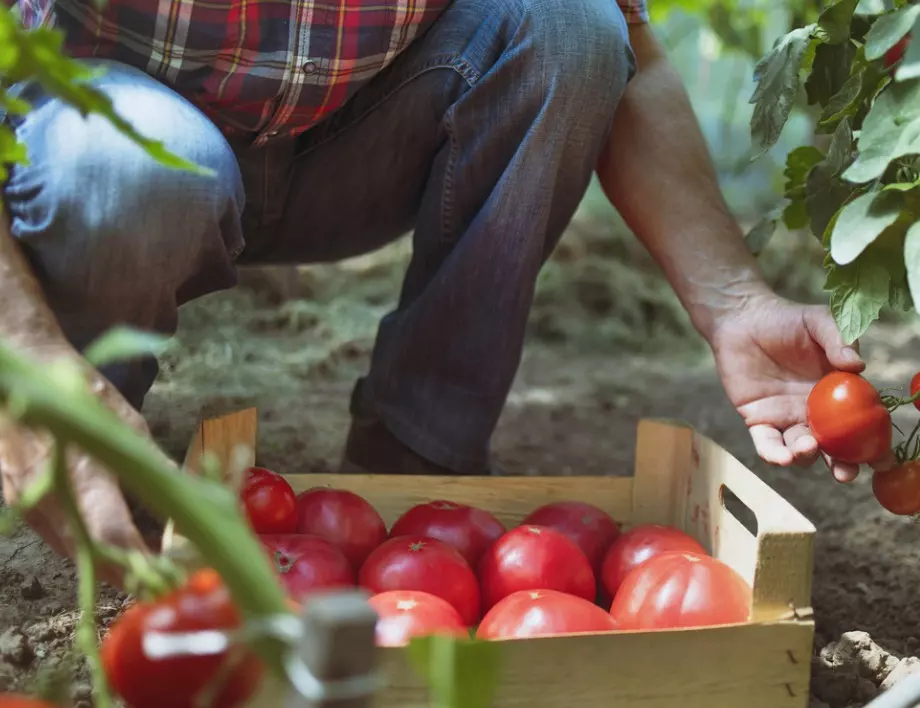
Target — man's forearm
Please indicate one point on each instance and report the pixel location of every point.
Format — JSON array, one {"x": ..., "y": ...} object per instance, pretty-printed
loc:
[
  {"x": 656, "y": 170},
  {"x": 26, "y": 321}
]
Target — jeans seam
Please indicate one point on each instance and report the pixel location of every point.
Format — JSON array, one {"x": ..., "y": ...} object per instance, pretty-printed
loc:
[{"x": 447, "y": 198}]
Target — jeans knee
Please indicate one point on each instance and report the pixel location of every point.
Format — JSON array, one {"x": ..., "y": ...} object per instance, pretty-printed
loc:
[{"x": 583, "y": 52}]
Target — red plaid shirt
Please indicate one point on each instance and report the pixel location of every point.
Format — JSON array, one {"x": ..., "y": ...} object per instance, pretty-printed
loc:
[{"x": 258, "y": 68}]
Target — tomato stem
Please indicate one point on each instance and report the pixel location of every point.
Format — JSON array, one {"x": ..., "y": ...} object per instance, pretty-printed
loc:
[
  {"x": 909, "y": 449},
  {"x": 206, "y": 512},
  {"x": 892, "y": 403}
]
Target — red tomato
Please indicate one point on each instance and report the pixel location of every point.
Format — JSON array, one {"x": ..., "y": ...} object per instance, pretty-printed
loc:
[
  {"x": 466, "y": 528},
  {"x": 10, "y": 700},
  {"x": 254, "y": 474},
  {"x": 405, "y": 614},
  {"x": 681, "y": 589},
  {"x": 269, "y": 502},
  {"x": 591, "y": 528},
  {"x": 848, "y": 419},
  {"x": 534, "y": 558},
  {"x": 426, "y": 564},
  {"x": 542, "y": 613},
  {"x": 638, "y": 545},
  {"x": 203, "y": 603},
  {"x": 343, "y": 518},
  {"x": 308, "y": 563},
  {"x": 915, "y": 389},
  {"x": 896, "y": 53},
  {"x": 898, "y": 489}
]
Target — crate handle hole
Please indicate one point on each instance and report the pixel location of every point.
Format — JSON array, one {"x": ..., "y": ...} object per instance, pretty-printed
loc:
[{"x": 737, "y": 508}]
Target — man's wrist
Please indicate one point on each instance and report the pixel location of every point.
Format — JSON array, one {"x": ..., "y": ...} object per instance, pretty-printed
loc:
[{"x": 714, "y": 303}]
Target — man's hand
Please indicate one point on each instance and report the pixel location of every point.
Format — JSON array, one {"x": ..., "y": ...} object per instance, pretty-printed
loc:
[
  {"x": 24, "y": 454},
  {"x": 770, "y": 353}
]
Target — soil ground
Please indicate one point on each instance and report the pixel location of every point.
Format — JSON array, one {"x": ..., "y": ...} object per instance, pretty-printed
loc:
[{"x": 608, "y": 345}]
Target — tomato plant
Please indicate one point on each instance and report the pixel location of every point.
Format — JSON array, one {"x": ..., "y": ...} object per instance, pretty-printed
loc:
[
  {"x": 681, "y": 589},
  {"x": 858, "y": 196},
  {"x": 343, "y": 518},
  {"x": 466, "y": 528},
  {"x": 541, "y": 613},
  {"x": 203, "y": 603},
  {"x": 848, "y": 418},
  {"x": 405, "y": 614},
  {"x": 593, "y": 529},
  {"x": 308, "y": 563},
  {"x": 534, "y": 558},
  {"x": 898, "y": 489},
  {"x": 269, "y": 502},
  {"x": 426, "y": 564},
  {"x": 636, "y": 546}
]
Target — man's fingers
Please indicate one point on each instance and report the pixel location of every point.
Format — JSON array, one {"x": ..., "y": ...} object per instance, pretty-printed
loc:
[
  {"x": 769, "y": 444},
  {"x": 841, "y": 471},
  {"x": 823, "y": 329},
  {"x": 802, "y": 443}
]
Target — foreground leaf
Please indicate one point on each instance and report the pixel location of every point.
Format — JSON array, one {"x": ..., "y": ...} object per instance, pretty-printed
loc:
[
  {"x": 909, "y": 68},
  {"x": 461, "y": 673},
  {"x": 777, "y": 77},
  {"x": 912, "y": 260},
  {"x": 834, "y": 21},
  {"x": 859, "y": 291},
  {"x": 861, "y": 222},
  {"x": 122, "y": 344},
  {"x": 889, "y": 29}
]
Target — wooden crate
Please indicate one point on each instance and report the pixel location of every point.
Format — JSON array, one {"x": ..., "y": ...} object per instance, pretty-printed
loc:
[{"x": 680, "y": 479}]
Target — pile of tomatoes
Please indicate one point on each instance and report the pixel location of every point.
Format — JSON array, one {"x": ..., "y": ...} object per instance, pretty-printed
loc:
[
  {"x": 452, "y": 568},
  {"x": 852, "y": 423}
]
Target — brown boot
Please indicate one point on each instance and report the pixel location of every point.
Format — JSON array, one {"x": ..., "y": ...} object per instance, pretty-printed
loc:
[{"x": 372, "y": 449}]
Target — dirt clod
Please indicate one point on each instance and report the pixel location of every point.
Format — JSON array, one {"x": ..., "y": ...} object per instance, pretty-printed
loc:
[
  {"x": 15, "y": 648},
  {"x": 855, "y": 651},
  {"x": 905, "y": 667}
]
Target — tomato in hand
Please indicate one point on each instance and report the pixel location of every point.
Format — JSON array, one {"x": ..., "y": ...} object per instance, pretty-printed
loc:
[
  {"x": 269, "y": 502},
  {"x": 591, "y": 528},
  {"x": 898, "y": 489},
  {"x": 636, "y": 546},
  {"x": 405, "y": 614},
  {"x": 426, "y": 564},
  {"x": 466, "y": 528},
  {"x": 308, "y": 563},
  {"x": 534, "y": 558},
  {"x": 915, "y": 389},
  {"x": 542, "y": 613},
  {"x": 681, "y": 589},
  {"x": 848, "y": 419},
  {"x": 343, "y": 518},
  {"x": 203, "y": 603}
]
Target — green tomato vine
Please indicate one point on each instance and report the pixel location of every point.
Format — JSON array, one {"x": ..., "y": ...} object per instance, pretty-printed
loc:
[{"x": 860, "y": 196}]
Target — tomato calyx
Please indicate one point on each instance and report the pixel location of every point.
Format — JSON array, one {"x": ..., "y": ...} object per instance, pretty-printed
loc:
[
  {"x": 283, "y": 562},
  {"x": 909, "y": 449}
]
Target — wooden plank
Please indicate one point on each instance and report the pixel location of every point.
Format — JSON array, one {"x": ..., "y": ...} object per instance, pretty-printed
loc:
[
  {"x": 662, "y": 470},
  {"x": 509, "y": 498},
  {"x": 755, "y": 666}
]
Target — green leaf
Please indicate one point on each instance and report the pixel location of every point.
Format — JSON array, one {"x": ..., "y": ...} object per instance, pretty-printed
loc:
[
  {"x": 799, "y": 162},
  {"x": 795, "y": 215},
  {"x": 861, "y": 222},
  {"x": 899, "y": 298},
  {"x": 889, "y": 29},
  {"x": 460, "y": 673},
  {"x": 825, "y": 193},
  {"x": 122, "y": 344},
  {"x": 834, "y": 21},
  {"x": 912, "y": 259},
  {"x": 13, "y": 105},
  {"x": 845, "y": 102},
  {"x": 777, "y": 78},
  {"x": 859, "y": 291},
  {"x": 909, "y": 67},
  {"x": 759, "y": 236},
  {"x": 868, "y": 8},
  {"x": 829, "y": 73},
  {"x": 891, "y": 129}
]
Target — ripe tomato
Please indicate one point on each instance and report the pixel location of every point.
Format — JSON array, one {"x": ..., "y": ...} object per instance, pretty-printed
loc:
[
  {"x": 638, "y": 545},
  {"x": 898, "y": 489},
  {"x": 308, "y": 563},
  {"x": 269, "y": 502},
  {"x": 681, "y": 589},
  {"x": 405, "y": 614},
  {"x": 254, "y": 474},
  {"x": 10, "y": 700},
  {"x": 343, "y": 518},
  {"x": 426, "y": 564},
  {"x": 534, "y": 558},
  {"x": 914, "y": 389},
  {"x": 848, "y": 419},
  {"x": 896, "y": 53},
  {"x": 203, "y": 603},
  {"x": 466, "y": 528},
  {"x": 591, "y": 528},
  {"x": 542, "y": 613}
]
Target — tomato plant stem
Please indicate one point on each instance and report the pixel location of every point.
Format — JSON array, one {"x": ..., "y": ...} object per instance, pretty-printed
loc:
[{"x": 206, "y": 512}]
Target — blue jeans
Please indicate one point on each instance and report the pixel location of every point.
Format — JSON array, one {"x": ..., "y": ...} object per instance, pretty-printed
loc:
[{"x": 481, "y": 137}]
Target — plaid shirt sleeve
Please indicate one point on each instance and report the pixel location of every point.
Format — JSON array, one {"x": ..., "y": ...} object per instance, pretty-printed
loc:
[{"x": 635, "y": 11}]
